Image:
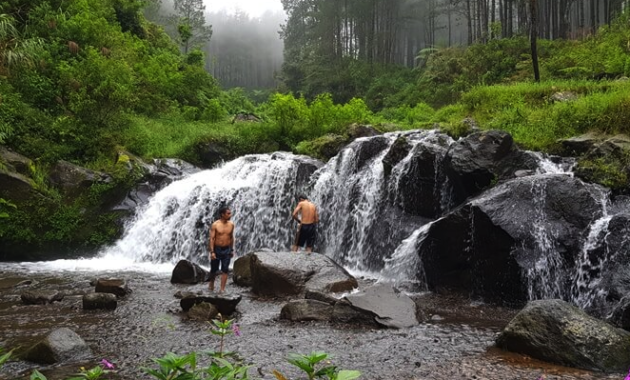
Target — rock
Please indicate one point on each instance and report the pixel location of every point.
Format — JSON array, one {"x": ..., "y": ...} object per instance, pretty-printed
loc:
[
  {"x": 186, "y": 272},
  {"x": 25, "y": 283},
  {"x": 225, "y": 303},
  {"x": 41, "y": 297},
  {"x": 15, "y": 187},
  {"x": 213, "y": 153},
  {"x": 115, "y": 286},
  {"x": 203, "y": 311},
  {"x": 184, "y": 294},
  {"x": 389, "y": 307},
  {"x": 60, "y": 345},
  {"x": 246, "y": 117},
  {"x": 475, "y": 162},
  {"x": 319, "y": 296},
  {"x": 74, "y": 180},
  {"x": 15, "y": 162},
  {"x": 288, "y": 273},
  {"x": 579, "y": 145},
  {"x": 241, "y": 273},
  {"x": 368, "y": 149},
  {"x": 306, "y": 310},
  {"x": 399, "y": 150},
  {"x": 356, "y": 131},
  {"x": 563, "y": 96},
  {"x": 486, "y": 247},
  {"x": 558, "y": 332},
  {"x": 345, "y": 313},
  {"x": 96, "y": 301}
]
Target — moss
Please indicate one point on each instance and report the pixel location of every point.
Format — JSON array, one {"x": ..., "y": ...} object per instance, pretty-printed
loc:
[
  {"x": 324, "y": 147},
  {"x": 606, "y": 172}
]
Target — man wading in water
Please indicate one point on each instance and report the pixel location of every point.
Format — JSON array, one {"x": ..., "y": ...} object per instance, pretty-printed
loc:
[
  {"x": 307, "y": 229},
  {"x": 221, "y": 247}
]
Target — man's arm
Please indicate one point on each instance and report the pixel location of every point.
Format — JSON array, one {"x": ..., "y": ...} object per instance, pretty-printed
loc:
[
  {"x": 211, "y": 244},
  {"x": 232, "y": 240},
  {"x": 316, "y": 216},
  {"x": 295, "y": 213}
]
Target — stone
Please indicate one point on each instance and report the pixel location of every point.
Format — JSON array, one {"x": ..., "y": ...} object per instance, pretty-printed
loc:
[
  {"x": 225, "y": 303},
  {"x": 306, "y": 310},
  {"x": 60, "y": 345},
  {"x": 187, "y": 272},
  {"x": 115, "y": 286},
  {"x": 97, "y": 301},
  {"x": 203, "y": 311},
  {"x": 41, "y": 297},
  {"x": 389, "y": 307}
]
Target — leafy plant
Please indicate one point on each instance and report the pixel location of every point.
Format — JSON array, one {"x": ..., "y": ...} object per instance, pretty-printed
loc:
[{"x": 309, "y": 364}]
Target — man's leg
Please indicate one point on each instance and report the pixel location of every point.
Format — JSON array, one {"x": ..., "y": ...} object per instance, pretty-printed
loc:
[
  {"x": 211, "y": 283},
  {"x": 224, "y": 278},
  {"x": 309, "y": 249}
]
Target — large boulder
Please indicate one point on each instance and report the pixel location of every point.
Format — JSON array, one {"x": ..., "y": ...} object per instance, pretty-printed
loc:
[
  {"x": 526, "y": 232},
  {"x": 475, "y": 162},
  {"x": 558, "y": 332},
  {"x": 74, "y": 180},
  {"x": 186, "y": 272},
  {"x": 203, "y": 311},
  {"x": 60, "y": 345},
  {"x": 15, "y": 162},
  {"x": 306, "y": 310},
  {"x": 291, "y": 274},
  {"x": 16, "y": 187}
]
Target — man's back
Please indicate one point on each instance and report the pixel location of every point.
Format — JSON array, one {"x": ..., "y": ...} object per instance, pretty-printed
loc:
[{"x": 309, "y": 212}]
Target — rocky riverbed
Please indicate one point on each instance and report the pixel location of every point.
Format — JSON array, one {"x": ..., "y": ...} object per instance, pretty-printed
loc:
[{"x": 456, "y": 342}]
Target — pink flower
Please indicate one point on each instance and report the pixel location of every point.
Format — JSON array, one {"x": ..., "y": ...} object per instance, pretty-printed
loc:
[
  {"x": 236, "y": 330},
  {"x": 627, "y": 376},
  {"x": 107, "y": 365}
]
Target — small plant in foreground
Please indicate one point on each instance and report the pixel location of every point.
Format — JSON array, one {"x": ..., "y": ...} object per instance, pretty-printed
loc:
[{"x": 308, "y": 364}]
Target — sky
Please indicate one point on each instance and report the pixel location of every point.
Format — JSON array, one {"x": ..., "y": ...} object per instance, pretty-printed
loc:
[{"x": 254, "y": 8}]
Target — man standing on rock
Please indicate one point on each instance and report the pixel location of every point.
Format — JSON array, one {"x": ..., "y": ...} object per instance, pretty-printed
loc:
[
  {"x": 307, "y": 229},
  {"x": 221, "y": 247}
]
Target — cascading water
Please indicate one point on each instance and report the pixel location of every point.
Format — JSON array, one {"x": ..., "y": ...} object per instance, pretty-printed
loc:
[{"x": 260, "y": 189}]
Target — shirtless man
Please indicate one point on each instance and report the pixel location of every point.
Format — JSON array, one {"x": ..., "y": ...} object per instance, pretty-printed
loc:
[
  {"x": 308, "y": 224},
  {"x": 221, "y": 246}
]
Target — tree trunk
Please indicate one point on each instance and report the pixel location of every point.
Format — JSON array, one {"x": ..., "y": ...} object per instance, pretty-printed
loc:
[{"x": 534, "y": 35}]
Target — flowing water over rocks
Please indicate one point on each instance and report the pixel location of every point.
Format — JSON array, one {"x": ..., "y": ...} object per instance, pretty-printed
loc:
[{"x": 457, "y": 341}]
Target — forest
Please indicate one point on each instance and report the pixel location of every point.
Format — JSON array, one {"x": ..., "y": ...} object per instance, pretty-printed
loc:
[{"x": 90, "y": 81}]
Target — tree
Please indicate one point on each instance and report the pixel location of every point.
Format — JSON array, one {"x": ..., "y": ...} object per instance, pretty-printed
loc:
[
  {"x": 534, "y": 35},
  {"x": 191, "y": 24}
]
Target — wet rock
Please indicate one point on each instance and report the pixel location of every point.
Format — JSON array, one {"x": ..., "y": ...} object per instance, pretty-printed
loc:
[
  {"x": 474, "y": 163},
  {"x": 288, "y": 273},
  {"x": 367, "y": 150},
  {"x": 356, "y": 131},
  {"x": 345, "y": 313},
  {"x": 25, "y": 283},
  {"x": 41, "y": 297},
  {"x": 203, "y": 311},
  {"x": 225, "y": 303},
  {"x": 213, "y": 153},
  {"x": 74, "y": 180},
  {"x": 487, "y": 246},
  {"x": 115, "y": 286},
  {"x": 390, "y": 307},
  {"x": 306, "y": 310},
  {"x": 558, "y": 332},
  {"x": 184, "y": 293},
  {"x": 60, "y": 345},
  {"x": 97, "y": 301},
  {"x": 241, "y": 273},
  {"x": 579, "y": 145},
  {"x": 399, "y": 150},
  {"x": 186, "y": 272},
  {"x": 319, "y": 296}
]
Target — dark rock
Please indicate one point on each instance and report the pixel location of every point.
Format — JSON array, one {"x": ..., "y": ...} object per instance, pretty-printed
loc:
[
  {"x": 485, "y": 247},
  {"x": 225, "y": 303},
  {"x": 15, "y": 162},
  {"x": 74, "y": 180},
  {"x": 558, "y": 332},
  {"x": 319, "y": 296},
  {"x": 213, "y": 153},
  {"x": 306, "y": 310},
  {"x": 345, "y": 313},
  {"x": 16, "y": 187},
  {"x": 186, "y": 272},
  {"x": 579, "y": 145},
  {"x": 41, "y": 297},
  {"x": 241, "y": 273},
  {"x": 356, "y": 131},
  {"x": 367, "y": 150},
  {"x": 115, "y": 286},
  {"x": 389, "y": 307},
  {"x": 184, "y": 294},
  {"x": 96, "y": 301},
  {"x": 60, "y": 345},
  {"x": 288, "y": 273},
  {"x": 476, "y": 162},
  {"x": 203, "y": 311},
  {"x": 399, "y": 150}
]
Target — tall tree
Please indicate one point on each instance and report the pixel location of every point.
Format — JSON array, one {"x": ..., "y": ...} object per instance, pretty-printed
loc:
[
  {"x": 534, "y": 36},
  {"x": 191, "y": 24}
]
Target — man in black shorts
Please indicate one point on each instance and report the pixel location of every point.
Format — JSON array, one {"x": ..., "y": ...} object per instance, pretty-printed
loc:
[
  {"x": 221, "y": 247},
  {"x": 308, "y": 219}
]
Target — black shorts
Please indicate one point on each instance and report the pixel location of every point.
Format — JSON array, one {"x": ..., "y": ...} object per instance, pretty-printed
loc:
[
  {"x": 307, "y": 235},
  {"x": 223, "y": 257}
]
